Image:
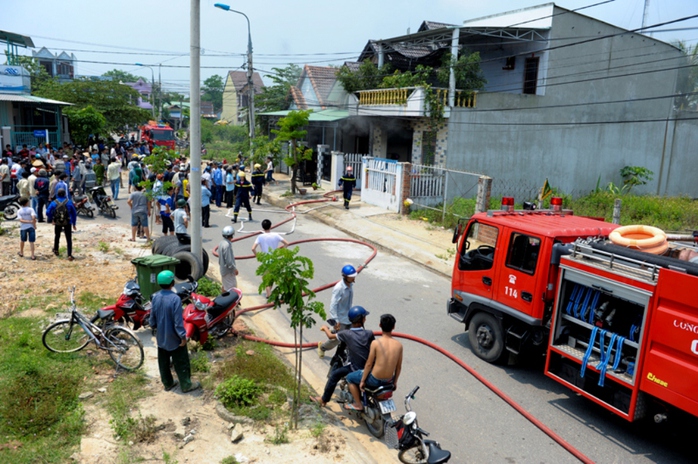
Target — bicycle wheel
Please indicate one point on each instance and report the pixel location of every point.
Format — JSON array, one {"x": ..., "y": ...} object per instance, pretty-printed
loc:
[
  {"x": 124, "y": 348},
  {"x": 65, "y": 337}
]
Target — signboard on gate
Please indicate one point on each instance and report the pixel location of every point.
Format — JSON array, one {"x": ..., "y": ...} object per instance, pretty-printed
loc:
[{"x": 40, "y": 133}]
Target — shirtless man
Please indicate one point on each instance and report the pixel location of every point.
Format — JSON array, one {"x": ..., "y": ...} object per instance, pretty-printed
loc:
[{"x": 382, "y": 367}]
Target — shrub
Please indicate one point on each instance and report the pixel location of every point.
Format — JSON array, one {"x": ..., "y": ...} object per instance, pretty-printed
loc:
[
  {"x": 238, "y": 391},
  {"x": 208, "y": 287}
]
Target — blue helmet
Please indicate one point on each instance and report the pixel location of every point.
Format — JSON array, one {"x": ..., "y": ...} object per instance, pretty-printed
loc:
[
  {"x": 349, "y": 271},
  {"x": 356, "y": 313}
]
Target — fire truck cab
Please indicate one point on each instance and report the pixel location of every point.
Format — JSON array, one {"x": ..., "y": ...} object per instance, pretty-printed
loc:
[
  {"x": 155, "y": 134},
  {"x": 617, "y": 326}
]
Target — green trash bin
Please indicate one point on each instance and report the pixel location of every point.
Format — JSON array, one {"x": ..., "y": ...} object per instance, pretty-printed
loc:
[{"x": 147, "y": 270}]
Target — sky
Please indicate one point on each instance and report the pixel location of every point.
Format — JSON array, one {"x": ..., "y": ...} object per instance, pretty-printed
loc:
[{"x": 107, "y": 35}]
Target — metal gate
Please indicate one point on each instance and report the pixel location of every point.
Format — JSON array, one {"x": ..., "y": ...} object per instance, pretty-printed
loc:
[
  {"x": 383, "y": 183},
  {"x": 427, "y": 184},
  {"x": 355, "y": 161}
]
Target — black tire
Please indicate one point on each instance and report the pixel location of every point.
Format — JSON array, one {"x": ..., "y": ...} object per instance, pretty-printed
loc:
[
  {"x": 89, "y": 213},
  {"x": 183, "y": 247},
  {"x": 161, "y": 243},
  {"x": 188, "y": 265},
  {"x": 64, "y": 337},
  {"x": 414, "y": 455},
  {"x": 172, "y": 248},
  {"x": 125, "y": 349},
  {"x": 11, "y": 210},
  {"x": 486, "y": 337},
  {"x": 377, "y": 427},
  {"x": 112, "y": 213},
  {"x": 221, "y": 329}
]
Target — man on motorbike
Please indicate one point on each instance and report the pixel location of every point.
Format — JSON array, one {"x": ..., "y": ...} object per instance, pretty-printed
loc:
[
  {"x": 358, "y": 342},
  {"x": 382, "y": 367}
]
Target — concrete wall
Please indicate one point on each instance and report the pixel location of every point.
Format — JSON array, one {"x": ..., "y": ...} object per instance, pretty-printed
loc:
[
  {"x": 571, "y": 135},
  {"x": 230, "y": 102}
]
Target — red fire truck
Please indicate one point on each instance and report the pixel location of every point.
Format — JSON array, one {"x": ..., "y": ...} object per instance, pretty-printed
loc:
[
  {"x": 155, "y": 134},
  {"x": 618, "y": 326}
]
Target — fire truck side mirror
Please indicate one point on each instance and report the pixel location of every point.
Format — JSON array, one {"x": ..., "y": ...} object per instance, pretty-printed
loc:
[{"x": 456, "y": 233}]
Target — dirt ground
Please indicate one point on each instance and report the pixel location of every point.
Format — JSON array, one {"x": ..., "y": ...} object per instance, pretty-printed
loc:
[{"x": 102, "y": 266}]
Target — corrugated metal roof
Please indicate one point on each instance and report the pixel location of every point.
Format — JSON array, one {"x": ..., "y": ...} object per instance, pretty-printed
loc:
[
  {"x": 315, "y": 116},
  {"x": 535, "y": 17},
  {"x": 30, "y": 99}
]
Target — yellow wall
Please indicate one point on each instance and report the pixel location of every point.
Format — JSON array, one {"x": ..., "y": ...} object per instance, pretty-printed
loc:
[{"x": 230, "y": 102}]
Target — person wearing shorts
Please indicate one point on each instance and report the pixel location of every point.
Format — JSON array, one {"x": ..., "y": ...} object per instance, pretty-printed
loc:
[
  {"x": 166, "y": 204},
  {"x": 140, "y": 210},
  {"x": 27, "y": 229}
]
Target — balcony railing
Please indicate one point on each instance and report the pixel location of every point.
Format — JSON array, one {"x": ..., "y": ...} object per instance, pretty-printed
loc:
[{"x": 400, "y": 96}]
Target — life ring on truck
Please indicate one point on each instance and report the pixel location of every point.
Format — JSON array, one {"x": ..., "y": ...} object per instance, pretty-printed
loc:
[{"x": 644, "y": 238}]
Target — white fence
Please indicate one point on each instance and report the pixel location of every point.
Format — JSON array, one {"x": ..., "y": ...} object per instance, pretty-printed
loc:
[
  {"x": 427, "y": 184},
  {"x": 382, "y": 185}
]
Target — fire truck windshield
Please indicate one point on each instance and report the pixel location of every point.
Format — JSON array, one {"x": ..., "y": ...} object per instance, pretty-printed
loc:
[{"x": 162, "y": 134}]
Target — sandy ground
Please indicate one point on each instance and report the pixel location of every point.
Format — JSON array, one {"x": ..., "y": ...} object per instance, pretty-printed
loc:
[{"x": 177, "y": 416}]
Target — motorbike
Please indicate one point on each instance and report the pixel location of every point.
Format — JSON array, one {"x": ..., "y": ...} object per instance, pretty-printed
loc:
[
  {"x": 9, "y": 206},
  {"x": 131, "y": 311},
  {"x": 205, "y": 317},
  {"x": 103, "y": 201},
  {"x": 413, "y": 447},
  {"x": 83, "y": 205},
  {"x": 378, "y": 403}
]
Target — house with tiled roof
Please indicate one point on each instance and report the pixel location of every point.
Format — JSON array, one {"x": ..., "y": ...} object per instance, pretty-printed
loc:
[
  {"x": 236, "y": 96},
  {"x": 317, "y": 89}
]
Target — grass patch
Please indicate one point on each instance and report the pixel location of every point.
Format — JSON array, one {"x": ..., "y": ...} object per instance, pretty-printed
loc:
[
  {"x": 42, "y": 416},
  {"x": 124, "y": 392},
  {"x": 264, "y": 373},
  {"x": 280, "y": 436},
  {"x": 88, "y": 302},
  {"x": 103, "y": 246},
  {"x": 199, "y": 362},
  {"x": 317, "y": 430},
  {"x": 230, "y": 460}
]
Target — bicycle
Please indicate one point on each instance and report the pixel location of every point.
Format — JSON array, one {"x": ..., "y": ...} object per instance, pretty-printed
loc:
[{"x": 74, "y": 334}]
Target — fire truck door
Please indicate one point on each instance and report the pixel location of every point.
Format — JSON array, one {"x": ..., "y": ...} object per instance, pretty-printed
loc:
[
  {"x": 474, "y": 277},
  {"x": 516, "y": 280}
]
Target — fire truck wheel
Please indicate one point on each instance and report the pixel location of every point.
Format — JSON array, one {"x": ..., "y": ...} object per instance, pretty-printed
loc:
[{"x": 486, "y": 337}]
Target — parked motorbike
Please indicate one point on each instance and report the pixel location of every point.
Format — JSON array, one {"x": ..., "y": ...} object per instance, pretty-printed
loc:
[
  {"x": 413, "y": 447},
  {"x": 83, "y": 205},
  {"x": 378, "y": 403},
  {"x": 9, "y": 205},
  {"x": 204, "y": 317},
  {"x": 103, "y": 201},
  {"x": 130, "y": 310}
]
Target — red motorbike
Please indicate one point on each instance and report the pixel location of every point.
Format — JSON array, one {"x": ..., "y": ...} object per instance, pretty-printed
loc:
[
  {"x": 130, "y": 310},
  {"x": 204, "y": 316}
]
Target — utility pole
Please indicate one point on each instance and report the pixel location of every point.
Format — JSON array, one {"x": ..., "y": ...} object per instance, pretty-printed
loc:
[
  {"x": 159, "y": 93},
  {"x": 195, "y": 126}
]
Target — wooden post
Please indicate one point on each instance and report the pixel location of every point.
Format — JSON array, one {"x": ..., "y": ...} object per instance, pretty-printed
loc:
[
  {"x": 616, "y": 211},
  {"x": 484, "y": 190}
]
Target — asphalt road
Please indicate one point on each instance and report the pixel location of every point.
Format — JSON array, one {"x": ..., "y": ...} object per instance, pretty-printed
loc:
[{"x": 458, "y": 411}]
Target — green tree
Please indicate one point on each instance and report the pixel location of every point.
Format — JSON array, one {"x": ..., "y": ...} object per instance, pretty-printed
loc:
[
  {"x": 120, "y": 76},
  {"x": 290, "y": 130},
  {"x": 212, "y": 91},
  {"x": 688, "y": 77},
  {"x": 277, "y": 97},
  {"x": 263, "y": 147},
  {"x": 467, "y": 69},
  {"x": 368, "y": 76},
  {"x": 289, "y": 276},
  {"x": 116, "y": 102},
  {"x": 83, "y": 122}
]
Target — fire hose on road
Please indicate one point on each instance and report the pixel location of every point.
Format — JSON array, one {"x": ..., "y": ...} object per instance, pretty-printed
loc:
[{"x": 329, "y": 197}]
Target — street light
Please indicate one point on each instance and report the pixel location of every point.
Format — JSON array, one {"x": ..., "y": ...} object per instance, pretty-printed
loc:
[
  {"x": 152, "y": 90},
  {"x": 250, "y": 85}
]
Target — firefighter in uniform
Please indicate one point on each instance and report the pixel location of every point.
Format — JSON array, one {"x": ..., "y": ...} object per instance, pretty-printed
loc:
[
  {"x": 242, "y": 195},
  {"x": 257, "y": 182},
  {"x": 347, "y": 182}
]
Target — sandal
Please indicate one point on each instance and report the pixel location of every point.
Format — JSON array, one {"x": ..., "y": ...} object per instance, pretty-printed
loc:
[
  {"x": 131, "y": 240},
  {"x": 351, "y": 407},
  {"x": 33, "y": 258},
  {"x": 20, "y": 255},
  {"x": 318, "y": 400}
]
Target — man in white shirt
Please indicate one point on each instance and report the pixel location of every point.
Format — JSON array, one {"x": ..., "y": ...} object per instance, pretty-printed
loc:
[{"x": 268, "y": 241}]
